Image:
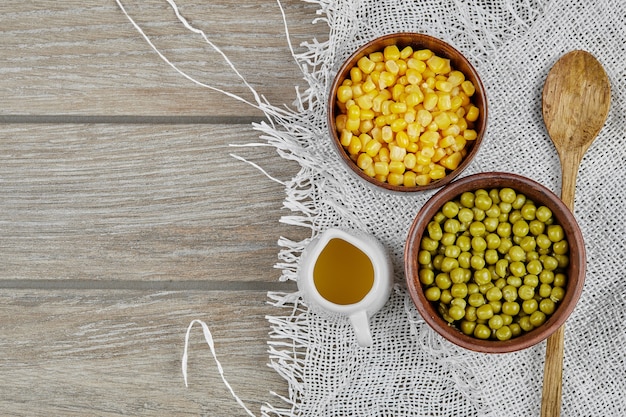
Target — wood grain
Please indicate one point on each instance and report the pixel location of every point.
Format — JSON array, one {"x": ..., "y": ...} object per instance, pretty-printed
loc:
[
  {"x": 86, "y": 58},
  {"x": 118, "y": 353},
  {"x": 138, "y": 202}
]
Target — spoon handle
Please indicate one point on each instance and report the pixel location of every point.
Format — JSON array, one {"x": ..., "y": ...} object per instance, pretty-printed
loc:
[{"x": 553, "y": 367}]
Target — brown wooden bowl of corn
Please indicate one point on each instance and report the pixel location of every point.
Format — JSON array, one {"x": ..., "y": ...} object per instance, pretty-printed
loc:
[{"x": 407, "y": 112}]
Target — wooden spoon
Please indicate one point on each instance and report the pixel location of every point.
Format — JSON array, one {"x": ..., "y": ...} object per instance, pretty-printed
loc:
[{"x": 576, "y": 101}]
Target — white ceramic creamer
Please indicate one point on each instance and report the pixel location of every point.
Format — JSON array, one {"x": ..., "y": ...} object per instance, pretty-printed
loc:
[{"x": 347, "y": 273}]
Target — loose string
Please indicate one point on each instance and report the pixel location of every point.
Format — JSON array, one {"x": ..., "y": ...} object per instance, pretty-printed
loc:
[{"x": 208, "y": 337}]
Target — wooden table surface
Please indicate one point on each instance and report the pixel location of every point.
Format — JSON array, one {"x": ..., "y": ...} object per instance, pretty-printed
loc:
[{"x": 123, "y": 215}]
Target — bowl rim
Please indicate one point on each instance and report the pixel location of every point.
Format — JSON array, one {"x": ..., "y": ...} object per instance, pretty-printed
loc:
[
  {"x": 536, "y": 192},
  {"x": 457, "y": 59}
]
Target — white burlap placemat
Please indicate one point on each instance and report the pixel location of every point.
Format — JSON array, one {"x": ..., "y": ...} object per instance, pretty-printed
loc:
[{"x": 410, "y": 370}]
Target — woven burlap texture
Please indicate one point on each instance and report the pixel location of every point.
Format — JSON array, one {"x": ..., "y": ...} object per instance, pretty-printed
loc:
[{"x": 410, "y": 370}]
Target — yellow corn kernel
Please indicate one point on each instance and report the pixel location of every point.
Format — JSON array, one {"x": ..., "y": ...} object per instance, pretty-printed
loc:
[
  {"x": 383, "y": 155},
  {"x": 409, "y": 179},
  {"x": 381, "y": 178},
  {"x": 357, "y": 90},
  {"x": 436, "y": 64},
  {"x": 406, "y": 52},
  {"x": 355, "y": 146},
  {"x": 376, "y": 56},
  {"x": 410, "y": 116},
  {"x": 397, "y": 167},
  {"x": 381, "y": 168},
  {"x": 452, "y": 130},
  {"x": 472, "y": 114},
  {"x": 375, "y": 76},
  {"x": 402, "y": 67},
  {"x": 392, "y": 67},
  {"x": 372, "y": 148},
  {"x": 347, "y": 82},
  {"x": 429, "y": 82},
  {"x": 340, "y": 122},
  {"x": 421, "y": 159},
  {"x": 444, "y": 102},
  {"x": 456, "y": 102},
  {"x": 367, "y": 114},
  {"x": 424, "y": 117},
  {"x": 356, "y": 75},
  {"x": 353, "y": 125},
  {"x": 413, "y": 130},
  {"x": 398, "y": 107},
  {"x": 396, "y": 153},
  {"x": 345, "y": 138},
  {"x": 354, "y": 112},
  {"x": 391, "y": 52},
  {"x": 398, "y": 125},
  {"x": 365, "y": 102},
  {"x": 428, "y": 152},
  {"x": 413, "y": 147},
  {"x": 410, "y": 160},
  {"x": 366, "y": 65},
  {"x": 388, "y": 135},
  {"x": 387, "y": 79},
  {"x": 413, "y": 99},
  {"x": 364, "y": 161},
  {"x": 413, "y": 76},
  {"x": 437, "y": 173},
  {"x": 459, "y": 143},
  {"x": 429, "y": 138},
  {"x": 439, "y": 153},
  {"x": 452, "y": 161},
  {"x": 469, "y": 134},
  {"x": 446, "y": 141},
  {"x": 369, "y": 171},
  {"x": 442, "y": 120},
  {"x": 468, "y": 88},
  {"x": 416, "y": 64},
  {"x": 385, "y": 108},
  {"x": 395, "y": 178},
  {"x": 423, "y": 54},
  {"x": 462, "y": 124},
  {"x": 380, "y": 66},
  {"x": 397, "y": 91},
  {"x": 390, "y": 118},
  {"x": 456, "y": 77},
  {"x": 445, "y": 86},
  {"x": 422, "y": 179},
  {"x": 344, "y": 93},
  {"x": 432, "y": 127},
  {"x": 377, "y": 133},
  {"x": 368, "y": 85},
  {"x": 366, "y": 126},
  {"x": 402, "y": 139},
  {"x": 380, "y": 121},
  {"x": 430, "y": 101}
]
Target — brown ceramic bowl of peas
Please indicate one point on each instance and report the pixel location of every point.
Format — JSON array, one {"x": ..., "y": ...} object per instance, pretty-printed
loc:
[
  {"x": 407, "y": 112},
  {"x": 495, "y": 262}
]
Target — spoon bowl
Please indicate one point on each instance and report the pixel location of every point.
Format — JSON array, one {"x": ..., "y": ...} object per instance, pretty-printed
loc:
[{"x": 576, "y": 101}]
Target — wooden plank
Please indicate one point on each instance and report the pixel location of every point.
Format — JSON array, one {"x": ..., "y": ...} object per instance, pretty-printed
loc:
[
  {"x": 80, "y": 58},
  {"x": 139, "y": 202},
  {"x": 118, "y": 353}
]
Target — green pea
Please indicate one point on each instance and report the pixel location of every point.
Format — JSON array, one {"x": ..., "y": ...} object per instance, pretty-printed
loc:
[
  {"x": 472, "y": 287},
  {"x": 515, "y": 216},
  {"x": 528, "y": 243},
  {"x": 467, "y": 199},
  {"x": 510, "y": 308},
  {"x": 464, "y": 259},
  {"x": 477, "y": 263},
  {"x": 494, "y": 294},
  {"x": 482, "y": 331},
  {"x": 457, "y": 275},
  {"x": 459, "y": 302},
  {"x": 534, "y": 267},
  {"x": 434, "y": 230},
  {"x": 537, "y": 318},
  {"x": 563, "y": 260},
  {"x": 491, "y": 256},
  {"x": 458, "y": 291},
  {"x": 429, "y": 244},
  {"x": 423, "y": 257},
  {"x": 483, "y": 202},
  {"x": 520, "y": 228},
  {"x": 516, "y": 253},
  {"x": 530, "y": 306},
  {"x": 443, "y": 281},
  {"x": 477, "y": 228},
  {"x": 545, "y": 290},
  {"x": 557, "y": 294},
  {"x": 549, "y": 262},
  {"x": 437, "y": 260},
  {"x": 518, "y": 203},
  {"x": 509, "y": 293},
  {"x": 543, "y": 214},
  {"x": 448, "y": 264},
  {"x": 504, "y": 333},
  {"x": 452, "y": 251},
  {"x": 496, "y": 322},
  {"x": 517, "y": 268},
  {"x": 479, "y": 215},
  {"x": 491, "y": 223},
  {"x": 514, "y": 281},
  {"x": 500, "y": 282},
  {"x": 450, "y": 209},
  {"x": 494, "y": 193},
  {"x": 516, "y": 330},
  {"x": 496, "y": 305},
  {"x": 526, "y": 292},
  {"x": 560, "y": 247},
  {"x": 452, "y": 226},
  {"x": 505, "y": 208},
  {"x": 493, "y": 211},
  {"x": 445, "y": 297},
  {"x": 427, "y": 276},
  {"x": 482, "y": 276},
  {"x": 502, "y": 268},
  {"x": 528, "y": 211},
  {"x": 484, "y": 312},
  {"x": 525, "y": 324},
  {"x": 536, "y": 227},
  {"x": 546, "y": 277},
  {"x": 531, "y": 281},
  {"x": 543, "y": 241},
  {"x": 476, "y": 300},
  {"x": 507, "y": 195},
  {"x": 470, "y": 313},
  {"x": 439, "y": 217},
  {"x": 479, "y": 244},
  {"x": 467, "y": 327},
  {"x": 464, "y": 243},
  {"x": 507, "y": 319},
  {"x": 555, "y": 233},
  {"x": 432, "y": 293},
  {"x": 504, "y": 229},
  {"x": 505, "y": 245},
  {"x": 547, "y": 306},
  {"x": 465, "y": 215},
  {"x": 560, "y": 280},
  {"x": 448, "y": 239},
  {"x": 493, "y": 241},
  {"x": 456, "y": 313}
]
